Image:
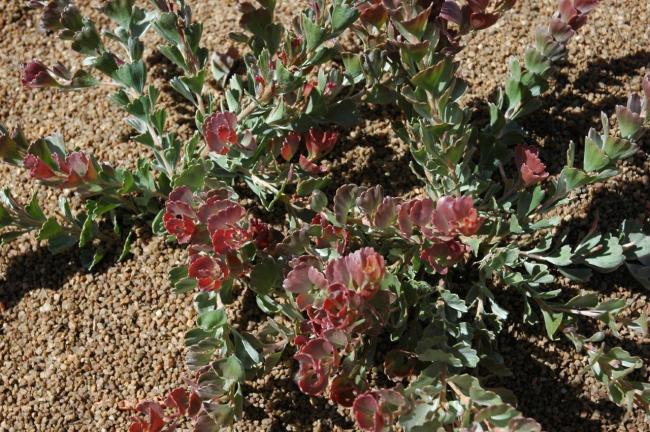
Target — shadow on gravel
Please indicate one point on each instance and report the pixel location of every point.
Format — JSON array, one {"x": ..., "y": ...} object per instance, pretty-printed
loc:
[
  {"x": 288, "y": 407},
  {"x": 545, "y": 395},
  {"x": 571, "y": 114},
  {"x": 39, "y": 269},
  {"x": 370, "y": 158}
]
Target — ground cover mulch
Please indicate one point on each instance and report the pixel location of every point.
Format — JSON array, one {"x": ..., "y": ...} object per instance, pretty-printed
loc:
[{"x": 76, "y": 347}]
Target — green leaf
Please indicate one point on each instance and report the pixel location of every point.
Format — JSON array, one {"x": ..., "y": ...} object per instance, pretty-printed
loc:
[
  {"x": 245, "y": 351},
  {"x": 87, "y": 41},
  {"x": 126, "y": 247},
  {"x": 577, "y": 274},
  {"x": 90, "y": 258},
  {"x": 265, "y": 276},
  {"x": 611, "y": 258},
  {"x": 453, "y": 301},
  {"x": 34, "y": 210},
  {"x": 165, "y": 25},
  {"x": 342, "y": 17},
  {"x": 49, "y": 229},
  {"x": 5, "y": 217},
  {"x": 119, "y": 10},
  {"x": 594, "y": 159},
  {"x": 571, "y": 178},
  {"x": 132, "y": 75},
  {"x": 82, "y": 79},
  {"x": 318, "y": 200},
  {"x": 552, "y": 322},
  {"x": 212, "y": 320},
  {"x": 185, "y": 285},
  {"x": 310, "y": 185},
  {"x": 60, "y": 243},
  {"x": 561, "y": 257},
  {"x": 88, "y": 231},
  {"x": 7, "y": 237},
  {"x": 193, "y": 177},
  {"x": 641, "y": 273},
  {"x": 312, "y": 32},
  {"x": 434, "y": 78},
  {"x": 174, "y": 55},
  {"x": 232, "y": 370},
  {"x": 352, "y": 63},
  {"x": 535, "y": 61},
  {"x": 195, "y": 82}
]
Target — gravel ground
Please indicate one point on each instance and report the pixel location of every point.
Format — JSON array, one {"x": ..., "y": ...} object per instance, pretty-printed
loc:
[{"x": 74, "y": 347}]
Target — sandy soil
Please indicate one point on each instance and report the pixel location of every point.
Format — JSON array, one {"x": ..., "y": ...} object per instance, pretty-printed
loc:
[{"x": 76, "y": 346}]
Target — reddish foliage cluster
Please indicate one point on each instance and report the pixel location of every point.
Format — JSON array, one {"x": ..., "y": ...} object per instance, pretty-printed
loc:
[
  {"x": 473, "y": 15},
  {"x": 210, "y": 223},
  {"x": 571, "y": 15},
  {"x": 531, "y": 168},
  {"x": 331, "y": 235},
  {"x": 441, "y": 226},
  {"x": 376, "y": 410},
  {"x": 318, "y": 143},
  {"x": 164, "y": 416},
  {"x": 75, "y": 169},
  {"x": 341, "y": 303},
  {"x": 37, "y": 75},
  {"x": 220, "y": 131}
]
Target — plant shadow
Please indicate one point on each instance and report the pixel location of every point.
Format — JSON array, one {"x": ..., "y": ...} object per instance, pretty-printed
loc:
[
  {"x": 289, "y": 409},
  {"x": 544, "y": 393},
  {"x": 36, "y": 269}
]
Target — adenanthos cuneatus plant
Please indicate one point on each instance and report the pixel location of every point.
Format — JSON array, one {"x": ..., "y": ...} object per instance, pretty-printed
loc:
[{"x": 363, "y": 284}]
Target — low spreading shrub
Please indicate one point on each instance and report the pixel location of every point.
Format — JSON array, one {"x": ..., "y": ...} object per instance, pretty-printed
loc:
[{"x": 389, "y": 306}]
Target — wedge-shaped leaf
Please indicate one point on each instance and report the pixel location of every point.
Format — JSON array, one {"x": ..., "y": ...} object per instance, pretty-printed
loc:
[
  {"x": 132, "y": 75},
  {"x": 552, "y": 322},
  {"x": 414, "y": 28},
  {"x": 434, "y": 78},
  {"x": 193, "y": 177},
  {"x": 5, "y": 217},
  {"x": 609, "y": 258},
  {"x": 119, "y": 10},
  {"x": 629, "y": 122},
  {"x": 571, "y": 178},
  {"x": 578, "y": 274},
  {"x": 212, "y": 320},
  {"x": 595, "y": 158},
  {"x": 618, "y": 149},
  {"x": 61, "y": 242},
  {"x": 265, "y": 276},
  {"x": 352, "y": 63},
  {"x": 201, "y": 353},
  {"x": 90, "y": 258},
  {"x": 312, "y": 32},
  {"x": 231, "y": 370},
  {"x": 215, "y": 418},
  {"x": 498, "y": 415},
  {"x": 344, "y": 201},
  {"x": 535, "y": 61},
  {"x": 342, "y": 17},
  {"x": 245, "y": 351},
  {"x": 174, "y": 55},
  {"x": 87, "y": 40},
  {"x": 418, "y": 417},
  {"x": 165, "y": 25},
  {"x": 83, "y": 79},
  {"x": 50, "y": 229},
  {"x": 561, "y": 257}
]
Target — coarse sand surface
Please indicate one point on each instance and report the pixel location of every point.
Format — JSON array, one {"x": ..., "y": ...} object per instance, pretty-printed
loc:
[{"x": 75, "y": 347}]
